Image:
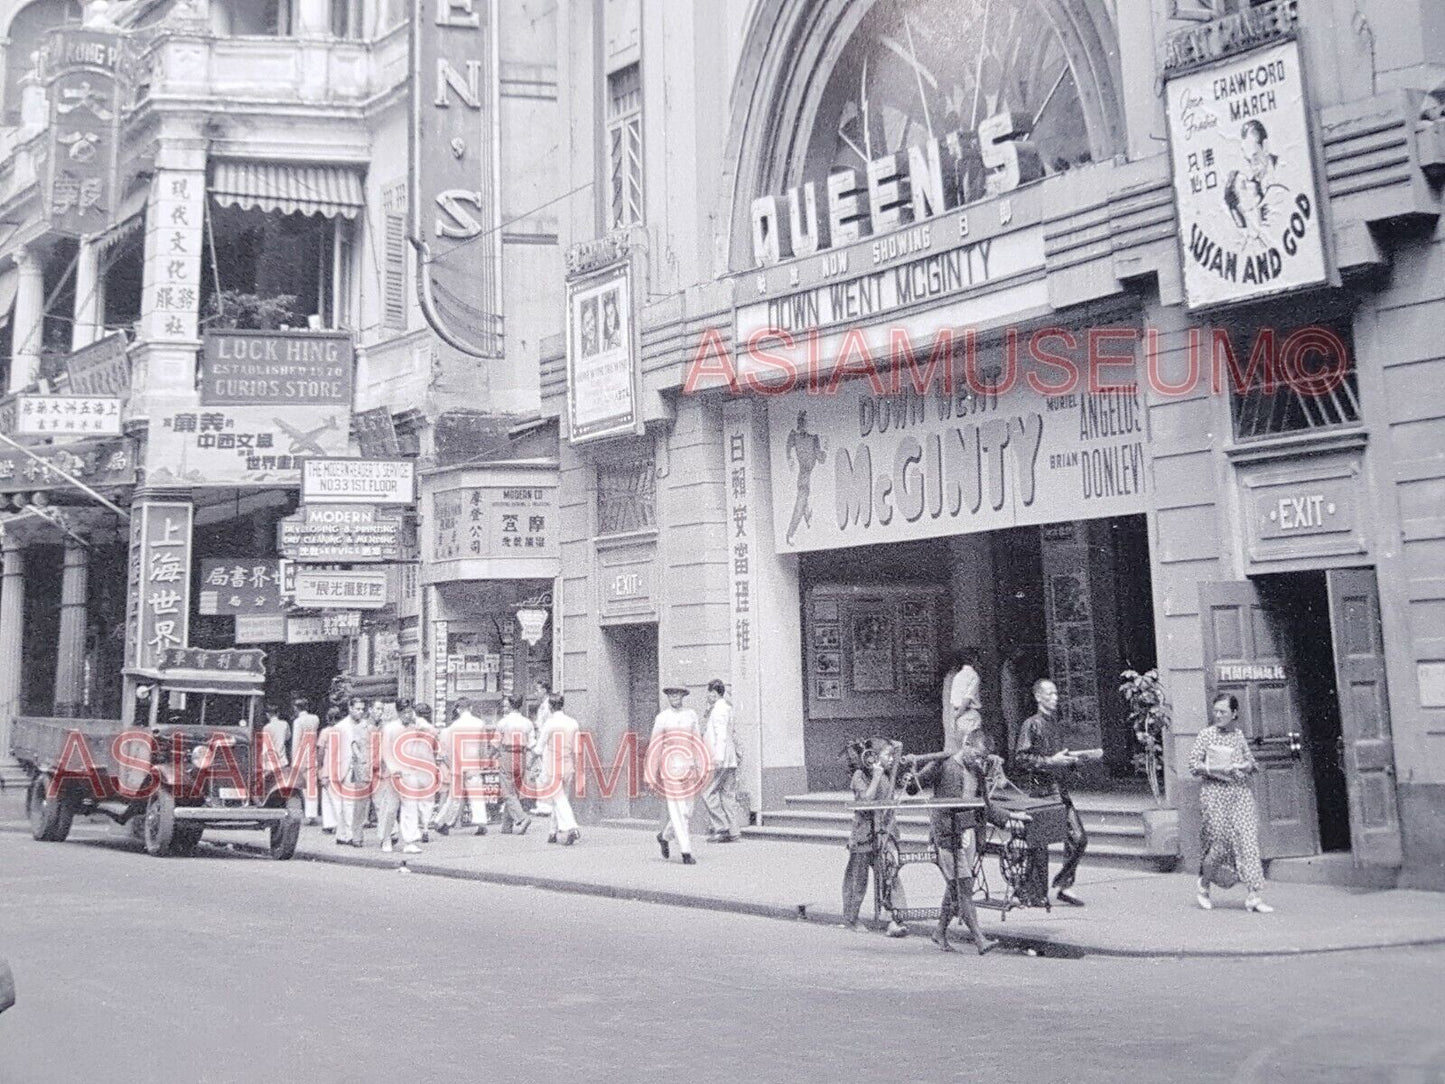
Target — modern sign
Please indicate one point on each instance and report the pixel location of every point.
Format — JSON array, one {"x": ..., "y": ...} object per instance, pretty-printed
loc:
[
  {"x": 283, "y": 368},
  {"x": 193, "y": 445},
  {"x": 602, "y": 356},
  {"x": 356, "y": 589},
  {"x": 456, "y": 171},
  {"x": 239, "y": 585},
  {"x": 82, "y": 173},
  {"x": 1250, "y": 219},
  {"x": 67, "y": 415},
  {"x": 494, "y": 521},
  {"x": 322, "y": 628},
  {"x": 363, "y": 481},
  {"x": 856, "y": 468},
  {"x": 102, "y": 368},
  {"x": 341, "y": 533},
  {"x": 158, "y": 596}
]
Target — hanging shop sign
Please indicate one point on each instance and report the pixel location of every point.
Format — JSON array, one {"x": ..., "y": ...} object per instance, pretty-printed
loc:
[
  {"x": 363, "y": 481},
  {"x": 66, "y": 415},
  {"x": 260, "y": 628},
  {"x": 855, "y": 468},
  {"x": 494, "y": 521},
  {"x": 356, "y": 589},
  {"x": 283, "y": 368},
  {"x": 376, "y": 433},
  {"x": 82, "y": 171},
  {"x": 1250, "y": 219},
  {"x": 341, "y": 533},
  {"x": 224, "y": 660},
  {"x": 740, "y": 465},
  {"x": 323, "y": 627},
  {"x": 239, "y": 585},
  {"x": 97, "y": 463},
  {"x": 602, "y": 355},
  {"x": 532, "y": 624},
  {"x": 456, "y": 171},
  {"x": 441, "y": 677},
  {"x": 102, "y": 368},
  {"x": 193, "y": 445},
  {"x": 158, "y": 595}
]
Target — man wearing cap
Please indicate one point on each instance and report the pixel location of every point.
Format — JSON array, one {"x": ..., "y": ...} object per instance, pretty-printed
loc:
[
  {"x": 722, "y": 816},
  {"x": 677, "y": 747}
]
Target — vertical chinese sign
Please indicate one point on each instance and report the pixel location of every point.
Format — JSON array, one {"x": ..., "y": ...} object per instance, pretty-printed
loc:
[
  {"x": 174, "y": 224},
  {"x": 456, "y": 171},
  {"x": 81, "y": 178},
  {"x": 738, "y": 455},
  {"x": 158, "y": 597}
]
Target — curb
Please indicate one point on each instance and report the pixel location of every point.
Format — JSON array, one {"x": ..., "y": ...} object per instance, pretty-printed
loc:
[{"x": 1042, "y": 944}]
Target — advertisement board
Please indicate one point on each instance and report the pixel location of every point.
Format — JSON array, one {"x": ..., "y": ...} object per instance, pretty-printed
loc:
[
  {"x": 102, "y": 368},
  {"x": 355, "y": 589},
  {"x": 1250, "y": 218},
  {"x": 341, "y": 534},
  {"x": 158, "y": 595},
  {"x": 81, "y": 185},
  {"x": 494, "y": 521},
  {"x": 67, "y": 416},
  {"x": 239, "y": 585},
  {"x": 97, "y": 463},
  {"x": 363, "y": 481},
  {"x": 602, "y": 368},
  {"x": 193, "y": 445},
  {"x": 282, "y": 368},
  {"x": 322, "y": 628}
]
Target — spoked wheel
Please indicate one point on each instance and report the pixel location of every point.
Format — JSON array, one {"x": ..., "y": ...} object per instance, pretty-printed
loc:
[
  {"x": 50, "y": 814},
  {"x": 160, "y": 822},
  {"x": 286, "y": 833}
]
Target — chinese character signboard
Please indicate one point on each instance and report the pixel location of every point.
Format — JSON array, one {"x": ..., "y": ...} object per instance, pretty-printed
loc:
[
  {"x": 158, "y": 602},
  {"x": 322, "y": 628},
  {"x": 193, "y": 445},
  {"x": 81, "y": 177},
  {"x": 260, "y": 628},
  {"x": 602, "y": 371},
  {"x": 341, "y": 533},
  {"x": 102, "y": 368},
  {"x": 738, "y": 455},
  {"x": 226, "y": 660},
  {"x": 358, "y": 589},
  {"x": 239, "y": 585},
  {"x": 1250, "y": 219},
  {"x": 376, "y": 433},
  {"x": 456, "y": 172},
  {"x": 494, "y": 522},
  {"x": 67, "y": 415},
  {"x": 286, "y": 368},
  {"x": 174, "y": 216},
  {"x": 363, "y": 481},
  {"x": 97, "y": 463}
]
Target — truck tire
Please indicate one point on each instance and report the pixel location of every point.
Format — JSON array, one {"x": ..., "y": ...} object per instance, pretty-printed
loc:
[
  {"x": 285, "y": 834},
  {"x": 160, "y": 822},
  {"x": 185, "y": 839},
  {"x": 50, "y": 817}
]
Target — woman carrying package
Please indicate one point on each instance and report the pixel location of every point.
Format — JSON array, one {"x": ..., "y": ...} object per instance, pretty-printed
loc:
[{"x": 1229, "y": 829}]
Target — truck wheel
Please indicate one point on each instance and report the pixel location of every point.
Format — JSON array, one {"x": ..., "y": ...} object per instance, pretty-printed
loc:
[
  {"x": 160, "y": 822},
  {"x": 286, "y": 833},
  {"x": 185, "y": 839},
  {"x": 50, "y": 817}
]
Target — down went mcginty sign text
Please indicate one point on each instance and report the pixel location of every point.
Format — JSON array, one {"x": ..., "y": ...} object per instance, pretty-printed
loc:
[{"x": 455, "y": 171}]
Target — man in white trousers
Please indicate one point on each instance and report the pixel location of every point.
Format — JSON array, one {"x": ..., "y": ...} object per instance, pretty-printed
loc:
[
  {"x": 402, "y": 781},
  {"x": 514, "y": 734},
  {"x": 673, "y": 759},
  {"x": 722, "y": 747},
  {"x": 463, "y": 741},
  {"x": 558, "y": 742},
  {"x": 304, "y": 727},
  {"x": 349, "y": 770}
]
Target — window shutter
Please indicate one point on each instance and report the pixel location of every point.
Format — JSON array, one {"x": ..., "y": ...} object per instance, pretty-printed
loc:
[{"x": 393, "y": 307}]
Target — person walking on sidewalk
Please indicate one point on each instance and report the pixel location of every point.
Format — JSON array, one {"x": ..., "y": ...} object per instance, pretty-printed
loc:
[
  {"x": 421, "y": 716},
  {"x": 1045, "y": 763},
  {"x": 514, "y": 733},
  {"x": 349, "y": 765},
  {"x": 1229, "y": 829},
  {"x": 543, "y": 696},
  {"x": 464, "y": 745},
  {"x": 674, "y": 757},
  {"x": 559, "y": 769},
  {"x": 277, "y": 736},
  {"x": 401, "y": 781},
  {"x": 327, "y": 750},
  {"x": 873, "y": 781},
  {"x": 719, "y": 797},
  {"x": 304, "y": 728}
]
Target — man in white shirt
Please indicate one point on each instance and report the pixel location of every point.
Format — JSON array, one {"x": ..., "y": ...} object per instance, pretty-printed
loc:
[
  {"x": 277, "y": 736},
  {"x": 543, "y": 697},
  {"x": 558, "y": 742},
  {"x": 514, "y": 732},
  {"x": 304, "y": 727},
  {"x": 964, "y": 702},
  {"x": 348, "y": 763},
  {"x": 675, "y": 768},
  {"x": 722, "y": 814},
  {"x": 465, "y": 744},
  {"x": 402, "y": 781}
]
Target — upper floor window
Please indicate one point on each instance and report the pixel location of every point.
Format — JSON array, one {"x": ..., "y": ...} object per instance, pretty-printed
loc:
[
  {"x": 624, "y": 146},
  {"x": 626, "y": 493},
  {"x": 1289, "y": 379}
]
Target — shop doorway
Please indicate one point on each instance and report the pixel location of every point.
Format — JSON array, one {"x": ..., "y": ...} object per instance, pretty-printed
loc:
[
  {"x": 637, "y": 646},
  {"x": 1304, "y": 653}
]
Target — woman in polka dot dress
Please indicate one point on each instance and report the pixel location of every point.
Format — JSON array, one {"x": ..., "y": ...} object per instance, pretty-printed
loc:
[{"x": 1230, "y": 823}]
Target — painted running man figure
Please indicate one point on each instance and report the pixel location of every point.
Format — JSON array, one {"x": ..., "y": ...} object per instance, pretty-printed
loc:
[{"x": 805, "y": 451}]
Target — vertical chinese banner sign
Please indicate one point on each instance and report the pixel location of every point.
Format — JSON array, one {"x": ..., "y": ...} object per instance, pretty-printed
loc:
[
  {"x": 158, "y": 599},
  {"x": 82, "y": 172},
  {"x": 739, "y": 460}
]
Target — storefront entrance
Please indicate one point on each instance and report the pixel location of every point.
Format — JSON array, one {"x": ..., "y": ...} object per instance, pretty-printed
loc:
[{"x": 1303, "y": 652}]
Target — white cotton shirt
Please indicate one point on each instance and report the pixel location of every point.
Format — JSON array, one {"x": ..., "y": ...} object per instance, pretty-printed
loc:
[{"x": 721, "y": 744}]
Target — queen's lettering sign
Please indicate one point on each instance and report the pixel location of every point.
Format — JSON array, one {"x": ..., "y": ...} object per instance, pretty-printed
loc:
[
  {"x": 360, "y": 481},
  {"x": 249, "y": 662},
  {"x": 83, "y": 160},
  {"x": 857, "y": 468},
  {"x": 455, "y": 170},
  {"x": 1250, "y": 220},
  {"x": 289, "y": 368},
  {"x": 102, "y": 368},
  {"x": 357, "y": 589}
]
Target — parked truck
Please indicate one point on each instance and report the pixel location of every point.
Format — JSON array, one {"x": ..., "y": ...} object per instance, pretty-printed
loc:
[{"x": 190, "y": 762}]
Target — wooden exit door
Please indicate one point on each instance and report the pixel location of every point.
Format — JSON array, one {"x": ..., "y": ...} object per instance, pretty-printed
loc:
[
  {"x": 1246, "y": 652},
  {"x": 1369, "y": 750}
]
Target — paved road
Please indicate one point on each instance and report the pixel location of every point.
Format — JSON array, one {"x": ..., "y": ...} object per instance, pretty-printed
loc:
[{"x": 232, "y": 968}]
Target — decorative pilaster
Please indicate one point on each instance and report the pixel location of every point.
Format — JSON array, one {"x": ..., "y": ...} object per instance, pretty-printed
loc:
[
  {"x": 70, "y": 660},
  {"x": 12, "y": 634},
  {"x": 89, "y": 299},
  {"x": 28, "y": 322}
]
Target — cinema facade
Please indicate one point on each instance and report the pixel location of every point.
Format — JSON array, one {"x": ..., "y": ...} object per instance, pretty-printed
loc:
[{"x": 996, "y": 369}]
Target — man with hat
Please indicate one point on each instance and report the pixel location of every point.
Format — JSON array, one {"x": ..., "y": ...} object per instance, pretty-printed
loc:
[{"x": 677, "y": 746}]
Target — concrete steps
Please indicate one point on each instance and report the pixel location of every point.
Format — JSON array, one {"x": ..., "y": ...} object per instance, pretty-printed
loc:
[{"x": 1116, "y": 825}]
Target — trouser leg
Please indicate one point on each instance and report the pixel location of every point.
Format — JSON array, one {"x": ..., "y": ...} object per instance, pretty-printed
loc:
[
  {"x": 387, "y": 804},
  {"x": 563, "y": 819},
  {"x": 329, "y": 816},
  {"x": 411, "y": 820},
  {"x": 717, "y": 798},
  {"x": 1074, "y": 847},
  {"x": 679, "y": 810},
  {"x": 855, "y": 884},
  {"x": 512, "y": 811}
]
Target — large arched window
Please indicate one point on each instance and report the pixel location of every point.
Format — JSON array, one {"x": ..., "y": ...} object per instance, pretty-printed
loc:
[{"x": 27, "y": 34}]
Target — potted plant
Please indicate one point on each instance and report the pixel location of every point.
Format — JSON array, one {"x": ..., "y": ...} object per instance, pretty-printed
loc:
[
  {"x": 235, "y": 310},
  {"x": 1150, "y": 715}
]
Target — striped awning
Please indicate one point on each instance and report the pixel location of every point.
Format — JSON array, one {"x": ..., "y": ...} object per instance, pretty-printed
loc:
[{"x": 278, "y": 186}]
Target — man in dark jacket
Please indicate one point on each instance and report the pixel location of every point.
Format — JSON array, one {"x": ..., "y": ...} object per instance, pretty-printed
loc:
[{"x": 1043, "y": 765}]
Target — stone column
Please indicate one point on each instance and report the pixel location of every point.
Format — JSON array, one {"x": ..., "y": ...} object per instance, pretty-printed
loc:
[
  {"x": 70, "y": 661},
  {"x": 27, "y": 322},
  {"x": 89, "y": 296},
  {"x": 313, "y": 18},
  {"x": 12, "y": 636}
]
